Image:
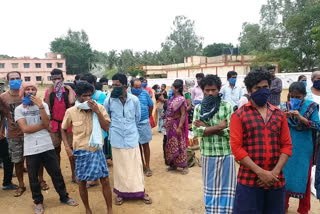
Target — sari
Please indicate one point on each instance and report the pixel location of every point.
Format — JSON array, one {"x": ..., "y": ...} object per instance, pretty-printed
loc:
[{"x": 175, "y": 148}]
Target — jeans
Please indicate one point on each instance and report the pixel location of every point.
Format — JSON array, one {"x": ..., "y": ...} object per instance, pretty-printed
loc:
[
  {"x": 49, "y": 160},
  {"x": 7, "y": 164},
  {"x": 160, "y": 120}
]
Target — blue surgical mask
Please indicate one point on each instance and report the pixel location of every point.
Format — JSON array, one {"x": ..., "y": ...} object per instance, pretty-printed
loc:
[
  {"x": 261, "y": 96},
  {"x": 26, "y": 100},
  {"x": 15, "y": 84},
  {"x": 136, "y": 91},
  {"x": 233, "y": 81},
  {"x": 305, "y": 83},
  {"x": 144, "y": 85},
  {"x": 295, "y": 103},
  {"x": 158, "y": 90}
]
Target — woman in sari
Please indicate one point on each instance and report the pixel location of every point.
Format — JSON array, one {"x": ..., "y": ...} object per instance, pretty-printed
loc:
[
  {"x": 176, "y": 127},
  {"x": 303, "y": 118}
]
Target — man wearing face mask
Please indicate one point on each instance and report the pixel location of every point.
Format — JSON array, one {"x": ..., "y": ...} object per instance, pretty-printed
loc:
[
  {"x": 313, "y": 92},
  {"x": 232, "y": 93},
  {"x": 260, "y": 140},
  {"x": 275, "y": 88},
  {"x": 211, "y": 123},
  {"x": 15, "y": 135},
  {"x": 88, "y": 118},
  {"x": 145, "y": 86},
  {"x": 33, "y": 119},
  {"x": 59, "y": 98},
  {"x": 125, "y": 112}
]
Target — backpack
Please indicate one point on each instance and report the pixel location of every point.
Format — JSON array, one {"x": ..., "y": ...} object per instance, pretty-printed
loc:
[{"x": 65, "y": 97}]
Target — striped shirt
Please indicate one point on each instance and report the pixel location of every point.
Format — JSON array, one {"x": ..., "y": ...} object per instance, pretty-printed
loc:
[{"x": 214, "y": 145}]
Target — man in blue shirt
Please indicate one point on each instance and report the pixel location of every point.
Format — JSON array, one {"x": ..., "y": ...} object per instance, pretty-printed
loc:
[
  {"x": 232, "y": 93},
  {"x": 125, "y": 113},
  {"x": 98, "y": 95},
  {"x": 144, "y": 128}
]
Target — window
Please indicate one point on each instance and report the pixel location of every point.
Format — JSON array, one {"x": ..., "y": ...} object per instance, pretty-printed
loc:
[
  {"x": 38, "y": 78},
  {"x": 38, "y": 65},
  {"x": 1, "y": 65},
  {"x": 27, "y": 79},
  {"x": 60, "y": 65},
  {"x": 26, "y": 65},
  {"x": 14, "y": 65},
  {"x": 49, "y": 78},
  {"x": 49, "y": 65}
]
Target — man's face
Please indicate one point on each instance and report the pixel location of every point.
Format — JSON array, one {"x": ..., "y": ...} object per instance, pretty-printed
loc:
[
  {"x": 272, "y": 72},
  {"x": 30, "y": 90},
  {"x": 199, "y": 80},
  {"x": 116, "y": 83},
  {"x": 163, "y": 88},
  {"x": 56, "y": 78},
  {"x": 211, "y": 90},
  {"x": 86, "y": 96},
  {"x": 14, "y": 76},
  {"x": 137, "y": 85},
  {"x": 260, "y": 85},
  {"x": 316, "y": 77}
]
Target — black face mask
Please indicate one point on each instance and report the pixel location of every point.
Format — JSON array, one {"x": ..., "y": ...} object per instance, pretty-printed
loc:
[
  {"x": 210, "y": 106},
  {"x": 117, "y": 92}
]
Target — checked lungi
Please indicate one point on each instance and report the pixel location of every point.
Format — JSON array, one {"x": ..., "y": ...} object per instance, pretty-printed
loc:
[{"x": 219, "y": 183}]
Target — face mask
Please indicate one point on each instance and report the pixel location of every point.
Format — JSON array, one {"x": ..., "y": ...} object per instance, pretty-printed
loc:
[
  {"x": 170, "y": 93},
  {"x": 26, "y": 100},
  {"x": 117, "y": 92},
  {"x": 316, "y": 84},
  {"x": 15, "y": 84},
  {"x": 136, "y": 91},
  {"x": 83, "y": 106},
  {"x": 158, "y": 90},
  {"x": 261, "y": 96},
  {"x": 295, "y": 103},
  {"x": 305, "y": 83},
  {"x": 233, "y": 81},
  {"x": 144, "y": 85}
]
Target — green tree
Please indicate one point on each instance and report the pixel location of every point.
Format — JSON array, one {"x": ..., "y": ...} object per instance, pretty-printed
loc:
[
  {"x": 215, "y": 49},
  {"x": 76, "y": 49}
]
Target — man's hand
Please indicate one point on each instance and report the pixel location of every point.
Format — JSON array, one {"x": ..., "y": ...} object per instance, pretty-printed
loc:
[
  {"x": 295, "y": 113},
  {"x": 199, "y": 123},
  {"x": 94, "y": 106},
  {"x": 69, "y": 153},
  {"x": 223, "y": 124},
  {"x": 68, "y": 87},
  {"x": 266, "y": 178},
  {"x": 37, "y": 101}
]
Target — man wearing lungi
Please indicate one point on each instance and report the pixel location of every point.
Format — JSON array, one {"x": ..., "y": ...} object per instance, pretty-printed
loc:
[
  {"x": 124, "y": 110},
  {"x": 211, "y": 123},
  {"x": 144, "y": 128},
  {"x": 260, "y": 140},
  {"x": 88, "y": 118}
]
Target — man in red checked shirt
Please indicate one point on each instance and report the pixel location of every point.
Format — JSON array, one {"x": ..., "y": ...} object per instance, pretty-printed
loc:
[{"x": 260, "y": 140}]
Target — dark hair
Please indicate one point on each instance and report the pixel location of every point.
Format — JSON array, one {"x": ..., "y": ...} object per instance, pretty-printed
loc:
[
  {"x": 121, "y": 77},
  {"x": 300, "y": 77},
  {"x": 178, "y": 84},
  {"x": 271, "y": 67},
  {"x": 13, "y": 72},
  {"x": 210, "y": 79},
  {"x": 231, "y": 73},
  {"x": 103, "y": 79},
  {"x": 164, "y": 85},
  {"x": 155, "y": 87},
  {"x": 200, "y": 75},
  {"x": 90, "y": 78},
  {"x": 77, "y": 77},
  {"x": 157, "y": 96},
  {"x": 83, "y": 87},
  {"x": 141, "y": 79},
  {"x": 255, "y": 76},
  {"x": 56, "y": 72},
  {"x": 298, "y": 87},
  {"x": 99, "y": 86}
]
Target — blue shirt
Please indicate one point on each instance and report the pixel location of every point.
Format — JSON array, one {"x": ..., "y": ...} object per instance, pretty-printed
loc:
[
  {"x": 231, "y": 95},
  {"x": 123, "y": 131},
  {"x": 99, "y": 96},
  {"x": 145, "y": 102}
]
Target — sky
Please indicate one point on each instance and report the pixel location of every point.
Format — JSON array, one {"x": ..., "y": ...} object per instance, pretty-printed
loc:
[{"x": 28, "y": 27}]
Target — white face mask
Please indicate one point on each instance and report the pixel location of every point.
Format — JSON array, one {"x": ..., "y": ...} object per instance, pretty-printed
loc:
[{"x": 83, "y": 106}]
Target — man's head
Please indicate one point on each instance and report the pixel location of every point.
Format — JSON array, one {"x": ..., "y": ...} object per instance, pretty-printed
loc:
[
  {"x": 232, "y": 77},
  {"x": 315, "y": 76},
  {"x": 84, "y": 91},
  {"x": 14, "y": 80},
  {"x": 257, "y": 79},
  {"x": 56, "y": 76},
  {"x": 76, "y": 79},
  {"x": 13, "y": 75},
  {"x": 119, "y": 80},
  {"x": 144, "y": 83},
  {"x": 104, "y": 80},
  {"x": 211, "y": 85},
  {"x": 89, "y": 78},
  {"x": 199, "y": 77},
  {"x": 28, "y": 88},
  {"x": 99, "y": 86},
  {"x": 272, "y": 70},
  {"x": 163, "y": 87},
  {"x": 137, "y": 84}
]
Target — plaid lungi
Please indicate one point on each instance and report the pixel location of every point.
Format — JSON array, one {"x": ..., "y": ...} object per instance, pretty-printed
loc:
[
  {"x": 219, "y": 183},
  {"x": 90, "y": 166}
]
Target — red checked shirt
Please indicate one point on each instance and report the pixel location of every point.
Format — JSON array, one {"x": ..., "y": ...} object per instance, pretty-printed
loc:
[{"x": 263, "y": 141}]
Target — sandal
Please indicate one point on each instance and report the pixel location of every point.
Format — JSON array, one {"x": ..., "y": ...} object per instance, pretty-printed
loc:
[
  {"x": 171, "y": 168},
  {"x": 185, "y": 171},
  {"x": 19, "y": 191},
  {"x": 38, "y": 210},
  {"x": 118, "y": 201},
  {"x": 148, "y": 172},
  {"x": 147, "y": 199},
  {"x": 71, "y": 202},
  {"x": 44, "y": 185}
]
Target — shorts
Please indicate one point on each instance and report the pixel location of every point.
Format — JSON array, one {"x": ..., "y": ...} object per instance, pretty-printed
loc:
[
  {"x": 145, "y": 132},
  {"x": 15, "y": 146},
  {"x": 57, "y": 139}
]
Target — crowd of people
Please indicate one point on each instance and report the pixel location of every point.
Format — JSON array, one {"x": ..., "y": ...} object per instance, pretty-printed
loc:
[{"x": 275, "y": 144}]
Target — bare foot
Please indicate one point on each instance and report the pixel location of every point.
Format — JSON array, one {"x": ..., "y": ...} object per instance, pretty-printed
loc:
[{"x": 88, "y": 211}]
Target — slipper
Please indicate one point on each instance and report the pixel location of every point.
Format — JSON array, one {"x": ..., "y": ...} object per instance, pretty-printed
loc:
[
  {"x": 185, "y": 171},
  {"x": 171, "y": 168},
  {"x": 118, "y": 201},
  {"x": 10, "y": 187},
  {"x": 147, "y": 199},
  {"x": 71, "y": 202},
  {"x": 148, "y": 172},
  {"x": 38, "y": 210},
  {"x": 19, "y": 191},
  {"x": 91, "y": 185},
  {"x": 44, "y": 185}
]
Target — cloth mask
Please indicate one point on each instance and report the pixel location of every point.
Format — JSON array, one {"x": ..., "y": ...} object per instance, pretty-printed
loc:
[
  {"x": 15, "y": 84},
  {"x": 233, "y": 81},
  {"x": 210, "y": 106},
  {"x": 144, "y": 85},
  {"x": 136, "y": 91},
  {"x": 58, "y": 86},
  {"x": 316, "y": 84},
  {"x": 26, "y": 100},
  {"x": 295, "y": 103},
  {"x": 261, "y": 96},
  {"x": 117, "y": 92},
  {"x": 83, "y": 106}
]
